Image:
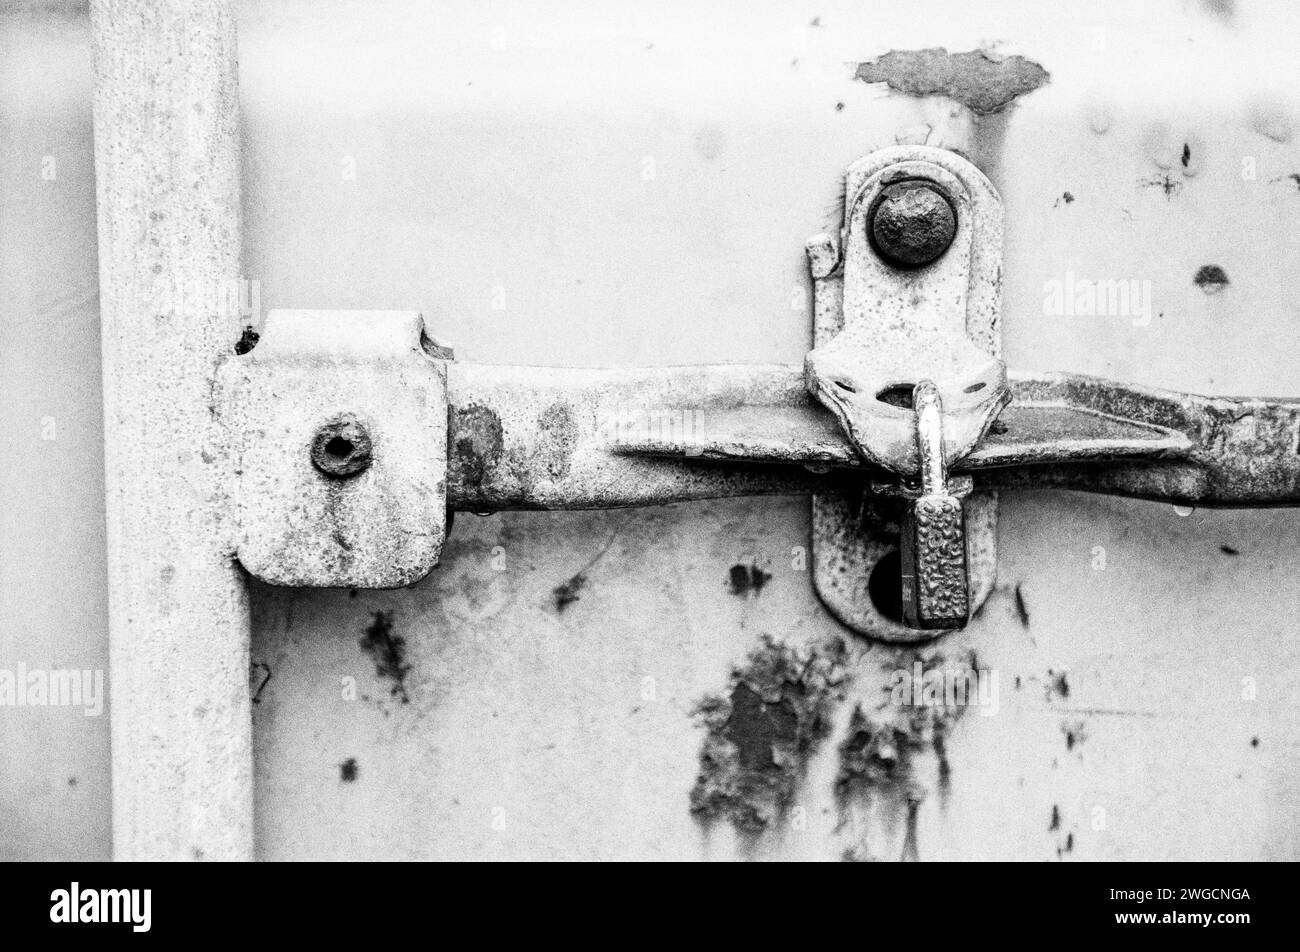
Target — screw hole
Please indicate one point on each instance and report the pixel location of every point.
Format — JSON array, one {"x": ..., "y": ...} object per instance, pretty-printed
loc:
[
  {"x": 886, "y": 586},
  {"x": 339, "y": 447},
  {"x": 899, "y": 395}
]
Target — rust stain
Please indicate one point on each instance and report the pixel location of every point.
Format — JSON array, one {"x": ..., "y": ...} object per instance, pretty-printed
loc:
[
  {"x": 479, "y": 441},
  {"x": 890, "y": 753},
  {"x": 980, "y": 80},
  {"x": 762, "y": 730}
]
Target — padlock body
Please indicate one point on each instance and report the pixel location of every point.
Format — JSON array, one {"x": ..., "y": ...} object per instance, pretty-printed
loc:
[{"x": 933, "y": 550}]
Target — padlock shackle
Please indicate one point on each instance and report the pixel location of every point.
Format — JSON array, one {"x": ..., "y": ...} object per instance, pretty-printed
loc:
[{"x": 928, "y": 407}]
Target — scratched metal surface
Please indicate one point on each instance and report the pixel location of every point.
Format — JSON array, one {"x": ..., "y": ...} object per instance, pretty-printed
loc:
[{"x": 617, "y": 184}]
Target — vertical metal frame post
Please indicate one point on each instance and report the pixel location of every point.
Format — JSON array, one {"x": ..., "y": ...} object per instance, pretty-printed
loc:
[{"x": 167, "y": 163}]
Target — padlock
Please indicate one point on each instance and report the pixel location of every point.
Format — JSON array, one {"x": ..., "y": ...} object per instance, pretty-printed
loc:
[{"x": 933, "y": 528}]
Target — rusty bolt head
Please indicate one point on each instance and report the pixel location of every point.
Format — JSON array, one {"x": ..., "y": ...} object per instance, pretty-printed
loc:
[
  {"x": 911, "y": 223},
  {"x": 341, "y": 448}
]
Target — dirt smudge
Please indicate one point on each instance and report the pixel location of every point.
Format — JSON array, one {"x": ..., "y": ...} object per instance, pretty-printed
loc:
[{"x": 389, "y": 654}]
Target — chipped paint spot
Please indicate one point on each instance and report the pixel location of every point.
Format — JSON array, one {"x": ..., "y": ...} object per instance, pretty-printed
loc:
[
  {"x": 1066, "y": 197},
  {"x": 1211, "y": 279},
  {"x": 247, "y": 341},
  {"x": 1055, "y": 823},
  {"x": 980, "y": 80},
  {"x": 744, "y": 579},
  {"x": 1229, "y": 550},
  {"x": 348, "y": 770},
  {"x": 762, "y": 730},
  {"x": 1075, "y": 733},
  {"x": 1058, "y": 686}
]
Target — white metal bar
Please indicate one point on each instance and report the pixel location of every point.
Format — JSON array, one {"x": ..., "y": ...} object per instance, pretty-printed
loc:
[{"x": 167, "y": 165}]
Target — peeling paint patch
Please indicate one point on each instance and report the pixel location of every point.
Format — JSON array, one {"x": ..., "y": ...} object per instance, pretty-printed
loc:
[
  {"x": 743, "y": 579},
  {"x": 762, "y": 730},
  {"x": 1211, "y": 279},
  {"x": 980, "y": 80},
  {"x": 389, "y": 654},
  {"x": 892, "y": 756}
]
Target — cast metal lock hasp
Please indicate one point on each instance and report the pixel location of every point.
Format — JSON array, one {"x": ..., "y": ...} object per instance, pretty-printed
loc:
[{"x": 355, "y": 433}]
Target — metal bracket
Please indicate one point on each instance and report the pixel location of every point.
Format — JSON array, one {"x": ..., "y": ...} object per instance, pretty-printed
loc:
[
  {"x": 878, "y": 329},
  {"x": 338, "y": 422}
]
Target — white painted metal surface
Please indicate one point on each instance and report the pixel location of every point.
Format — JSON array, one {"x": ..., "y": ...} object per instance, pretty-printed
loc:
[{"x": 627, "y": 185}]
